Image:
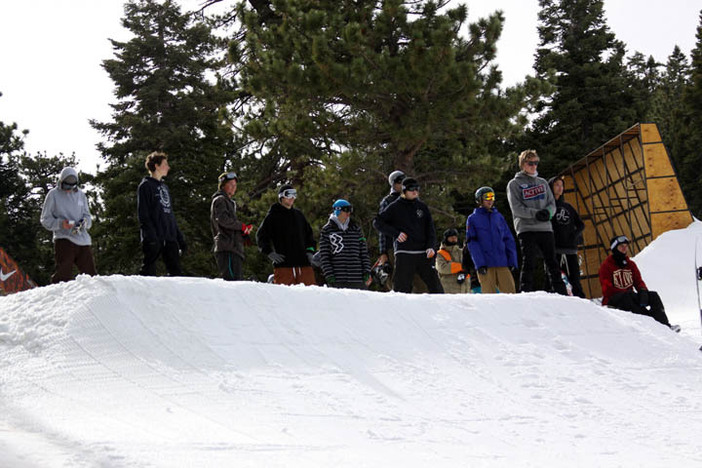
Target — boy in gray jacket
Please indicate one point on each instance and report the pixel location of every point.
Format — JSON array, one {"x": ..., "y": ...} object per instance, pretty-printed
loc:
[
  {"x": 532, "y": 204},
  {"x": 65, "y": 213}
]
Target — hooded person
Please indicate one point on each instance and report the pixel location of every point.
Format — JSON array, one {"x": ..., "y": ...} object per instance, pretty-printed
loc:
[
  {"x": 228, "y": 232},
  {"x": 623, "y": 287},
  {"x": 409, "y": 222},
  {"x": 567, "y": 233},
  {"x": 491, "y": 245},
  {"x": 66, "y": 214},
  {"x": 532, "y": 204},
  {"x": 449, "y": 264},
  {"x": 286, "y": 238},
  {"x": 385, "y": 260},
  {"x": 342, "y": 249}
]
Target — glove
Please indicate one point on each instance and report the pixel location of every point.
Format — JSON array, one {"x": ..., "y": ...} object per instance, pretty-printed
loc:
[
  {"x": 246, "y": 228},
  {"x": 331, "y": 279},
  {"x": 461, "y": 278},
  {"x": 543, "y": 215},
  {"x": 430, "y": 253},
  {"x": 276, "y": 257},
  {"x": 402, "y": 237},
  {"x": 482, "y": 270},
  {"x": 367, "y": 279},
  {"x": 310, "y": 257},
  {"x": 643, "y": 298}
]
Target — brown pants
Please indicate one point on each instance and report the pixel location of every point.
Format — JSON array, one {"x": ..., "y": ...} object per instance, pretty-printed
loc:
[
  {"x": 294, "y": 275},
  {"x": 66, "y": 254},
  {"x": 497, "y": 278}
]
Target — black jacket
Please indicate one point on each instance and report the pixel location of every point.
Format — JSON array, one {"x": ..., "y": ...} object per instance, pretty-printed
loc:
[
  {"x": 411, "y": 217},
  {"x": 567, "y": 227},
  {"x": 287, "y": 232},
  {"x": 155, "y": 210}
]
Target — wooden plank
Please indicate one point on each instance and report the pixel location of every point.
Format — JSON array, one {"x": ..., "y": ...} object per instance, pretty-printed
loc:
[
  {"x": 666, "y": 195},
  {"x": 657, "y": 161},
  {"x": 664, "y": 222},
  {"x": 650, "y": 133}
]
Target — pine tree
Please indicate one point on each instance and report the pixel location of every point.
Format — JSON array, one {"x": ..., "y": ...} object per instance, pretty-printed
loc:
[
  {"x": 165, "y": 101},
  {"x": 593, "y": 100}
]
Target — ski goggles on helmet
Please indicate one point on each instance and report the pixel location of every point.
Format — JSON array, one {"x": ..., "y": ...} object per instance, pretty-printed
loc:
[
  {"x": 345, "y": 209},
  {"x": 226, "y": 176},
  {"x": 288, "y": 193},
  {"x": 489, "y": 196},
  {"x": 619, "y": 240}
]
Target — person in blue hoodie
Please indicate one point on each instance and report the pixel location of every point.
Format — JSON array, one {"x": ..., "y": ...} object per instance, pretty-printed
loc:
[
  {"x": 491, "y": 244},
  {"x": 160, "y": 236},
  {"x": 65, "y": 213},
  {"x": 342, "y": 247},
  {"x": 408, "y": 221}
]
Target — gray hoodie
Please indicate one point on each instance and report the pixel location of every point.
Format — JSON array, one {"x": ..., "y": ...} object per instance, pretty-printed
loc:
[
  {"x": 527, "y": 195},
  {"x": 70, "y": 205}
]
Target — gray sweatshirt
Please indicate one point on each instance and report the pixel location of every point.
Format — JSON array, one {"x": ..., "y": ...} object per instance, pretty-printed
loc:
[
  {"x": 527, "y": 195},
  {"x": 70, "y": 205}
]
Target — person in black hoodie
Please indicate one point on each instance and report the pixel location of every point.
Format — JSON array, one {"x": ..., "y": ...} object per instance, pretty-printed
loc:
[
  {"x": 286, "y": 238},
  {"x": 567, "y": 230},
  {"x": 228, "y": 232},
  {"x": 159, "y": 231},
  {"x": 408, "y": 221}
]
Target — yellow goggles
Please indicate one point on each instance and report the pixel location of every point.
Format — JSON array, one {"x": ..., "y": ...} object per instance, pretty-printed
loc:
[{"x": 490, "y": 196}]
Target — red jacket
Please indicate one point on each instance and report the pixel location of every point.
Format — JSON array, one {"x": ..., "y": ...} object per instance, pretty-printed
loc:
[{"x": 615, "y": 279}]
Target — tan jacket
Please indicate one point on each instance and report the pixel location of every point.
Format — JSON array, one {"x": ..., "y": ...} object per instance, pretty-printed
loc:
[{"x": 449, "y": 263}]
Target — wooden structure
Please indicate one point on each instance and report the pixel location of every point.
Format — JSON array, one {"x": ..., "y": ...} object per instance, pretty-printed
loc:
[{"x": 627, "y": 186}]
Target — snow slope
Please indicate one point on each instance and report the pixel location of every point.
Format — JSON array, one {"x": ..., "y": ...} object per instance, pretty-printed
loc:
[{"x": 130, "y": 371}]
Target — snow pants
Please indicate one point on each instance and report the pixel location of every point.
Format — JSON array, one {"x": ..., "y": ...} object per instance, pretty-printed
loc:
[
  {"x": 67, "y": 254},
  {"x": 171, "y": 257},
  {"x": 531, "y": 242},
  {"x": 229, "y": 265},
  {"x": 294, "y": 275},
  {"x": 629, "y": 301},
  {"x": 406, "y": 265}
]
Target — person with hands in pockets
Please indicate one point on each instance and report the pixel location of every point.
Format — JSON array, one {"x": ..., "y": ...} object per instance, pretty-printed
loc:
[
  {"x": 229, "y": 233},
  {"x": 532, "y": 204},
  {"x": 408, "y": 221},
  {"x": 65, "y": 213}
]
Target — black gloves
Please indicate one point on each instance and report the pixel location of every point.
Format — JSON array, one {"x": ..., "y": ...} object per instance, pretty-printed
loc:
[
  {"x": 643, "y": 298},
  {"x": 461, "y": 278},
  {"x": 543, "y": 215},
  {"x": 482, "y": 270}
]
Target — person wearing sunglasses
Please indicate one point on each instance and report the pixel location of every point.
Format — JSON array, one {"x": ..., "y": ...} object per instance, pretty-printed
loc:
[
  {"x": 286, "y": 238},
  {"x": 343, "y": 251},
  {"x": 532, "y": 204},
  {"x": 409, "y": 222},
  {"x": 66, "y": 214},
  {"x": 623, "y": 287},
  {"x": 160, "y": 235},
  {"x": 229, "y": 233},
  {"x": 567, "y": 232},
  {"x": 491, "y": 245}
]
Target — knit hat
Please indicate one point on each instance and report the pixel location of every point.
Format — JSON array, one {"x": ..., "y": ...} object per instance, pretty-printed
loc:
[
  {"x": 618, "y": 240},
  {"x": 450, "y": 232},
  {"x": 395, "y": 177}
]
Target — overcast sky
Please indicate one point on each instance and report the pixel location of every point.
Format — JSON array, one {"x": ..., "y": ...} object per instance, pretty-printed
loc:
[{"x": 51, "y": 50}]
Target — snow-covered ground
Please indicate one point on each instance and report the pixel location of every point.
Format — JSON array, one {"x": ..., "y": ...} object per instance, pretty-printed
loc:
[{"x": 130, "y": 371}]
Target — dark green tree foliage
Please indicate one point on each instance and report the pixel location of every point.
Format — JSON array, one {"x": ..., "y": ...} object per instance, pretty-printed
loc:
[
  {"x": 593, "y": 100},
  {"x": 165, "y": 101},
  {"x": 690, "y": 155},
  {"x": 343, "y": 92}
]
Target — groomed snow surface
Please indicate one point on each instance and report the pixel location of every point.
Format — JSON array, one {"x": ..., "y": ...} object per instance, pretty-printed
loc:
[{"x": 169, "y": 372}]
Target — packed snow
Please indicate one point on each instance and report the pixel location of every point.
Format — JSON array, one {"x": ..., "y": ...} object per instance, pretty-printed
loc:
[{"x": 167, "y": 372}]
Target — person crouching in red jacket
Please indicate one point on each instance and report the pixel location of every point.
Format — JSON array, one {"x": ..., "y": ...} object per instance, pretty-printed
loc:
[{"x": 619, "y": 277}]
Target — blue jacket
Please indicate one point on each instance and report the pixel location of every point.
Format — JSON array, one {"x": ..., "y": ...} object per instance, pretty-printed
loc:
[{"x": 489, "y": 239}]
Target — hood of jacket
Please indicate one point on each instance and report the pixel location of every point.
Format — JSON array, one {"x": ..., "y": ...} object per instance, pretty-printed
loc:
[{"x": 66, "y": 172}]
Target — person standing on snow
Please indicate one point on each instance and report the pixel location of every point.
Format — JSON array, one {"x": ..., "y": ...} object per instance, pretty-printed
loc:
[
  {"x": 567, "y": 229},
  {"x": 286, "y": 238},
  {"x": 619, "y": 277},
  {"x": 160, "y": 236},
  {"x": 533, "y": 205},
  {"x": 228, "y": 232},
  {"x": 491, "y": 245},
  {"x": 66, "y": 214},
  {"x": 385, "y": 242},
  {"x": 409, "y": 222},
  {"x": 343, "y": 251},
  {"x": 449, "y": 265}
]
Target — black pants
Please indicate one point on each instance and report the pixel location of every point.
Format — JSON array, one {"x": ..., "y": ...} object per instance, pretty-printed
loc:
[
  {"x": 229, "y": 265},
  {"x": 629, "y": 301},
  {"x": 531, "y": 242},
  {"x": 570, "y": 265},
  {"x": 171, "y": 257},
  {"x": 406, "y": 265}
]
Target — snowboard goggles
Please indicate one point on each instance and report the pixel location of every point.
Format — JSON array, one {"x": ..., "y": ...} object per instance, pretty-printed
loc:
[
  {"x": 617, "y": 241},
  {"x": 489, "y": 196},
  {"x": 69, "y": 185},
  {"x": 228, "y": 176},
  {"x": 345, "y": 209},
  {"x": 411, "y": 188},
  {"x": 288, "y": 193}
]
